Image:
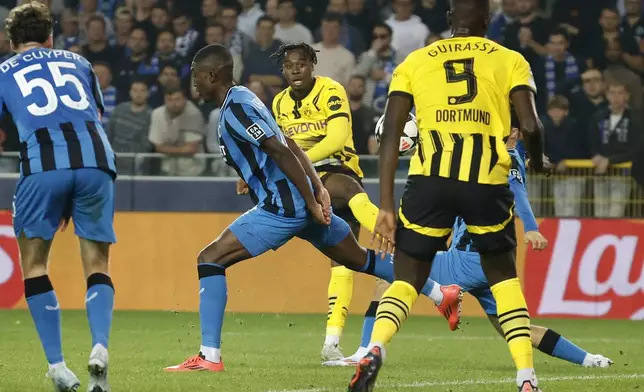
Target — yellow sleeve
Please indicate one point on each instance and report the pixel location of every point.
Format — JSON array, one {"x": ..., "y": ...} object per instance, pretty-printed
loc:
[
  {"x": 275, "y": 113},
  {"x": 338, "y": 113},
  {"x": 521, "y": 76},
  {"x": 401, "y": 79}
]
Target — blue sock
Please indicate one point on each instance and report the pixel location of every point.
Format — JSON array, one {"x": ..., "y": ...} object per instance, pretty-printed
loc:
[
  {"x": 379, "y": 267},
  {"x": 213, "y": 296},
  {"x": 557, "y": 346},
  {"x": 99, "y": 302},
  {"x": 367, "y": 325},
  {"x": 428, "y": 287},
  {"x": 45, "y": 311}
]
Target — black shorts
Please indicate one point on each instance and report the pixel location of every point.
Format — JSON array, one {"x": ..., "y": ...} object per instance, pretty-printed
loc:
[
  {"x": 343, "y": 212},
  {"x": 430, "y": 206}
]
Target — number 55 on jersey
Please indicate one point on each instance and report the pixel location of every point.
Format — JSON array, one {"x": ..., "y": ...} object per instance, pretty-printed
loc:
[{"x": 55, "y": 101}]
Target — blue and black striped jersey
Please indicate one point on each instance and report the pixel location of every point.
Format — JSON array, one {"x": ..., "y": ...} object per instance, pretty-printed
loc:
[
  {"x": 54, "y": 99},
  {"x": 244, "y": 124}
]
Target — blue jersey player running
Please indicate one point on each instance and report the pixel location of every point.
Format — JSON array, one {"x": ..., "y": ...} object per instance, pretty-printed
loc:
[
  {"x": 461, "y": 265},
  {"x": 290, "y": 201},
  {"x": 67, "y": 171}
]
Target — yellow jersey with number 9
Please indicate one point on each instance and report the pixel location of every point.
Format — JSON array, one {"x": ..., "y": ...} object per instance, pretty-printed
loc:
[{"x": 461, "y": 90}]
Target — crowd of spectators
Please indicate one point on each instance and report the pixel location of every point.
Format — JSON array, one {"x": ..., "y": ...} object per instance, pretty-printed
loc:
[{"x": 587, "y": 59}]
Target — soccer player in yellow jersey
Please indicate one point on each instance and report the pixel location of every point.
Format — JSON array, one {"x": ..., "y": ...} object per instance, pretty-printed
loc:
[
  {"x": 462, "y": 88},
  {"x": 315, "y": 113}
]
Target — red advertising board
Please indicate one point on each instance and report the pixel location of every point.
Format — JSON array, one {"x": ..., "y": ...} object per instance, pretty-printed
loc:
[
  {"x": 592, "y": 268},
  {"x": 11, "y": 287}
]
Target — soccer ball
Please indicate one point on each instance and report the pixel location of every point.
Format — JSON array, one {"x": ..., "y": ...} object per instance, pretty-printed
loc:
[{"x": 408, "y": 140}]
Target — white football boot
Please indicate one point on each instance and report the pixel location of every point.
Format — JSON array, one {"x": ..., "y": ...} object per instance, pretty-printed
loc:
[
  {"x": 596, "y": 361},
  {"x": 331, "y": 352},
  {"x": 97, "y": 368},
  {"x": 64, "y": 379},
  {"x": 348, "y": 361}
]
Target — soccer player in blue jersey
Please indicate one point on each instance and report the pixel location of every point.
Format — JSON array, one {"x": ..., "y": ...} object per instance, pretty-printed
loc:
[
  {"x": 461, "y": 265},
  {"x": 289, "y": 196},
  {"x": 67, "y": 171}
]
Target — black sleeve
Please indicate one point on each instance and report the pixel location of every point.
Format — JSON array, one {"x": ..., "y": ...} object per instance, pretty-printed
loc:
[
  {"x": 629, "y": 45},
  {"x": 96, "y": 91}
]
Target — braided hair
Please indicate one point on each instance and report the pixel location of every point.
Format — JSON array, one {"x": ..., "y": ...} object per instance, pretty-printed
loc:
[{"x": 309, "y": 52}]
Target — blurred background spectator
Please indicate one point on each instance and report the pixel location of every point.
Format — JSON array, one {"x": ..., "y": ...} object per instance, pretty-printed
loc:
[
  {"x": 287, "y": 29},
  {"x": 501, "y": 20},
  {"x": 565, "y": 139},
  {"x": 251, "y": 11},
  {"x": 259, "y": 66},
  {"x": 377, "y": 66},
  {"x": 128, "y": 127},
  {"x": 334, "y": 60},
  {"x": 613, "y": 137},
  {"x": 177, "y": 129},
  {"x": 363, "y": 117},
  {"x": 142, "y": 49},
  {"x": 409, "y": 30}
]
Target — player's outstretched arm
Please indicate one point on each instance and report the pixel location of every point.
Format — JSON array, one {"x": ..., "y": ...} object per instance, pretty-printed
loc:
[
  {"x": 291, "y": 166},
  {"x": 524, "y": 211},
  {"x": 530, "y": 126},
  {"x": 338, "y": 131}
]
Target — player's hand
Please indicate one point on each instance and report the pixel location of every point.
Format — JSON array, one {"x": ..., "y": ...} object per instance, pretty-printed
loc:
[
  {"x": 317, "y": 212},
  {"x": 538, "y": 241},
  {"x": 525, "y": 36},
  {"x": 323, "y": 198},
  {"x": 378, "y": 74},
  {"x": 241, "y": 187},
  {"x": 383, "y": 234},
  {"x": 602, "y": 165},
  {"x": 548, "y": 166},
  {"x": 561, "y": 166}
]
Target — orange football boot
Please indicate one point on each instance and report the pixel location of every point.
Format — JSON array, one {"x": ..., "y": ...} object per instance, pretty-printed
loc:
[
  {"x": 197, "y": 363},
  {"x": 450, "y": 308}
]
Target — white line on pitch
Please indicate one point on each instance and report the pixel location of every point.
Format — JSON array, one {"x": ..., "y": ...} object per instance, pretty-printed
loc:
[
  {"x": 423, "y": 384},
  {"x": 429, "y": 337}
]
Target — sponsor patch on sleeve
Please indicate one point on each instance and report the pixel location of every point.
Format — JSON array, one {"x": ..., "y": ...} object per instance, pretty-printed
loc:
[{"x": 255, "y": 131}]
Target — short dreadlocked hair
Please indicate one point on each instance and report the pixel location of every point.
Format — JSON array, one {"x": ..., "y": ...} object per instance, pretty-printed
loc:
[{"x": 309, "y": 52}]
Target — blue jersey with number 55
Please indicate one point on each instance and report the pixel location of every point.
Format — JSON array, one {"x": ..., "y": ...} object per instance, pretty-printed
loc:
[{"x": 54, "y": 99}]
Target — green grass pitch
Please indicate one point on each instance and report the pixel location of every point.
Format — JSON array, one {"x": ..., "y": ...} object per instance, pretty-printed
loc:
[{"x": 281, "y": 353}]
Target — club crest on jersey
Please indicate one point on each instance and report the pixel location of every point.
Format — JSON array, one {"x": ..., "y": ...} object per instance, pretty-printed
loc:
[
  {"x": 307, "y": 111},
  {"x": 515, "y": 173},
  {"x": 255, "y": 131},
  {"x": 334, "y": 103}
]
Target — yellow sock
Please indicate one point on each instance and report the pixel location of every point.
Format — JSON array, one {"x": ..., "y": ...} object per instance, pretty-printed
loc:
[
  {"x": 515, "y": 321},
  {"x": 393, "y": 310},
  {"x": 340, "y": 293},
  {"x": 364, "y": 210}
]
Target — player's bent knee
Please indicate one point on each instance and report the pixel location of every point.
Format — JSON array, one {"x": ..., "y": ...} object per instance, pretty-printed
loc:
[{"x": 207, "y": 256}]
